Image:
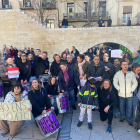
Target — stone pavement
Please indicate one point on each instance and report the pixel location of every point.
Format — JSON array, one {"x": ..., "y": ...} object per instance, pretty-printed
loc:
[
  {"x": 29, "y": 130},
  {"x": 119, "y": 131}
]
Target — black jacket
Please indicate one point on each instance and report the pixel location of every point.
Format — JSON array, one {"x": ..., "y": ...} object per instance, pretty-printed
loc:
[
  {"x": 17, "y": 59},
  {"x": 75, "y": 53},
  {"x": 42, "y": 65},
  {"x": 55, "y": 68},
  {"x": 72, "y": 64},
  {"x": 129, "y": 23},
  {"x": 51, "y": 90},
  {"x": 25, "y": 70},
  {"x": 99, "y": 22},
  {"x": 106, "y": 98},
  {"x": 91, "y": 98},
  {"x": 117, "y": 68},
  {"x": 39, "y": 101},
  {"x": 93, "y": 73},
  {"x": 33, "y": 67},
  {"x": 65, "y": 22},
  {"x": 110, "y": 73},
  {"x": 109, "y": 22}
]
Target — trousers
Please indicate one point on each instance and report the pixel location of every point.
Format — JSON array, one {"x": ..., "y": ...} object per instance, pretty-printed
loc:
[
  {"x": 82, "y": 113},
  {"x": 14, "y": 127}
]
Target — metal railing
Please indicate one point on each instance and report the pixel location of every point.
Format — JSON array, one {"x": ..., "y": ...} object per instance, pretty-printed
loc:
[
  {"x": 30, "y": 5},
  {"x": 6, "y": 5},
  {"x": 25, "y": 5},
  {"x": 85, "y": 15},
  {"x": 124, "y": 21}
]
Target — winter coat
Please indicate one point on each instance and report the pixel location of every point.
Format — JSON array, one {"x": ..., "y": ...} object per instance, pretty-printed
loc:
[
  {"x": 73, "y": 77},
  {"x": 88, "y": 95},
  {"x": 125, "y": 84}
]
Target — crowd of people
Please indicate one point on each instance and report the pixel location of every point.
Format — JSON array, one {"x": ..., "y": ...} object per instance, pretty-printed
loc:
[{"x": 108, "y": 86}]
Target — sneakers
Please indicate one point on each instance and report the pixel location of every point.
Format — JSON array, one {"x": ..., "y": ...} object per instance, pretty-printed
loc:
[
  {"x": 121, "y": 121},
  {"x": 89, "y": 126},
  {"x": 130, "y": 123},
  {"x": 3, "y": 135},
  {"x": 79, "y": 124},
  {"x": 139, "y": 131},
  {"x": 109, "y": 129},
  {"x": 73, "y": 107}
]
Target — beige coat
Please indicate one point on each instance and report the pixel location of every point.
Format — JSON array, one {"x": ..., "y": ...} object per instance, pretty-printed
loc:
[
  {"x": 125, "y": 84},
  {"x": 3, "y": 70}
]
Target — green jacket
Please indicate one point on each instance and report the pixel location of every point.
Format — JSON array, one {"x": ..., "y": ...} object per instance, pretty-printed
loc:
[
  {"x": 85, "y": 68},
  {"x": 136, "y": 60}
]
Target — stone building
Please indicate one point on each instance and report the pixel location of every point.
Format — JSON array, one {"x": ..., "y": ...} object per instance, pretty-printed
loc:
[{"x": 80, "y": 13}]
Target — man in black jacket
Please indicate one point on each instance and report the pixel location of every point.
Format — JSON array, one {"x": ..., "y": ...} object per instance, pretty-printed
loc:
[
  {"x": 65, "y": 22},
  {"x": 24, "y": 68},
  {"x": 38, "y": 52},
  {"x": 75, "y": 51},
  {"x": 42, "y": 64},
  {"x": 129, "y": 22},
  {"x": 109, "y": 22},
  {"x": 109, "y": 68},
  {"x": 100, "y": 22},
  {"x": 96, "y": 69},
  {"x": 71, "y": 61},
  {"x": 55, "y": 67},
  {"x": 18, "y": 58},
  {"x": 116, "y": 65}
]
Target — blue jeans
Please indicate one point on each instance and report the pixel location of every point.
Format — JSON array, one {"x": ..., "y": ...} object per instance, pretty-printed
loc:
[
  {"x": 64, "y": 26},
  {"x": 5, "y": 55},
  {"x": 72, "y": 96},
  {"x": 126, "y": 105}
]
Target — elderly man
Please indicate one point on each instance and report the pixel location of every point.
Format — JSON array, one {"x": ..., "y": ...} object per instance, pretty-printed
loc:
[
  {"x": 70, "y": 61},
  {"x": 136, "y": 57}
]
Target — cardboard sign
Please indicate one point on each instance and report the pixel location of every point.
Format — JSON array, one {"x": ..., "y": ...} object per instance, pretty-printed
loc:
[
  {"x": 16, "y": 111},
  {"x": 13, "y": 73},
  {"x": 116, "y": 53}
]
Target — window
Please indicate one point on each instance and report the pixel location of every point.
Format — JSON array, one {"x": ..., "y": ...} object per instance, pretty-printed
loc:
[
  {"x": 102, "y": 8},
  {"x": 127, "y": 13},
  {"x": 85, "y": 9},
  {"x": 50, "y": 23},
  {"x": 5, "y": 3},
  {"x": 27, "y": 3},
  {"x": 70, "y": 10}
]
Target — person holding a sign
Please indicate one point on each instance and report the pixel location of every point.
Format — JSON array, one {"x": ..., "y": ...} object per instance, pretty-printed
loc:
[
  {"x": 24, "y": 68},
  {"x": 39, "y": 99},
  {"x": 96, "y": 70},
  {"x": 7, "y": 83},
  {"x": 18, "y": 94}
]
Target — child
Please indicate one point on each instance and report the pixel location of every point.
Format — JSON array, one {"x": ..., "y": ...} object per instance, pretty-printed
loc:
[{"x": 88, "y": 95}]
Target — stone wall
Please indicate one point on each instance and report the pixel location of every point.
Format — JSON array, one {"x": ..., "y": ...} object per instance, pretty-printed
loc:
[{"x": 20, "y": 30}]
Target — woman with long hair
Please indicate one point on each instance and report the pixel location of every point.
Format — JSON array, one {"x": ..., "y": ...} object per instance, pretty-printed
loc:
[
  {"x": 64, "y": 57},
  {"x": 107, "y": 100},
  {"x": 39, "y": 99},
  {"x": 81, "y": 67},
  {"x": 16, "y": 95},
  {"x": 30, "y": 58}
]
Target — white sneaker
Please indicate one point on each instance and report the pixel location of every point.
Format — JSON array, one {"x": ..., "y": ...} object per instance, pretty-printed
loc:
[{"x": 139, "y": 131}]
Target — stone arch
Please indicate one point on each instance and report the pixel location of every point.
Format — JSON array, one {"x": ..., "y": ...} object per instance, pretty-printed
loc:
[{"x": 110, "y": 40}]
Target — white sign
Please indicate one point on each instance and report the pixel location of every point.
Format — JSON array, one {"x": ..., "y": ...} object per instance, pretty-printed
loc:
[{"x": 116, "y": 53}]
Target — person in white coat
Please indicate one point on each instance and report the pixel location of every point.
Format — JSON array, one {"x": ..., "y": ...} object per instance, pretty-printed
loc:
[{"x": 125, "y": 82}]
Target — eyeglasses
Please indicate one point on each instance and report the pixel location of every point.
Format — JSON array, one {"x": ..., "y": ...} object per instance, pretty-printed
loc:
[{"x": 23, "y": 55}]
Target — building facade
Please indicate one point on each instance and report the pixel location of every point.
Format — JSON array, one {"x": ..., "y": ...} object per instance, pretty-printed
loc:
[{"x": 80, "y": 13}]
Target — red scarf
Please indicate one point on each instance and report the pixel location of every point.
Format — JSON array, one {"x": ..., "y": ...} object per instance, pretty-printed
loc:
[{"x": 66, "y": 76}]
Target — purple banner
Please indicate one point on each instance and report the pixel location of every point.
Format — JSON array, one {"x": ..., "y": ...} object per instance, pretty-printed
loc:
[
  {"x": 49, "y": 124},
  {"x": 64, "y": 103}
]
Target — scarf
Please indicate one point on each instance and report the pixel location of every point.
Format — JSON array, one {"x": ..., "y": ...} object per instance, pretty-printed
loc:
[
  {"x": 66, "y": 76},
  {"x": 80, "y": 65},
  {"x": 17, "y": 97}
]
